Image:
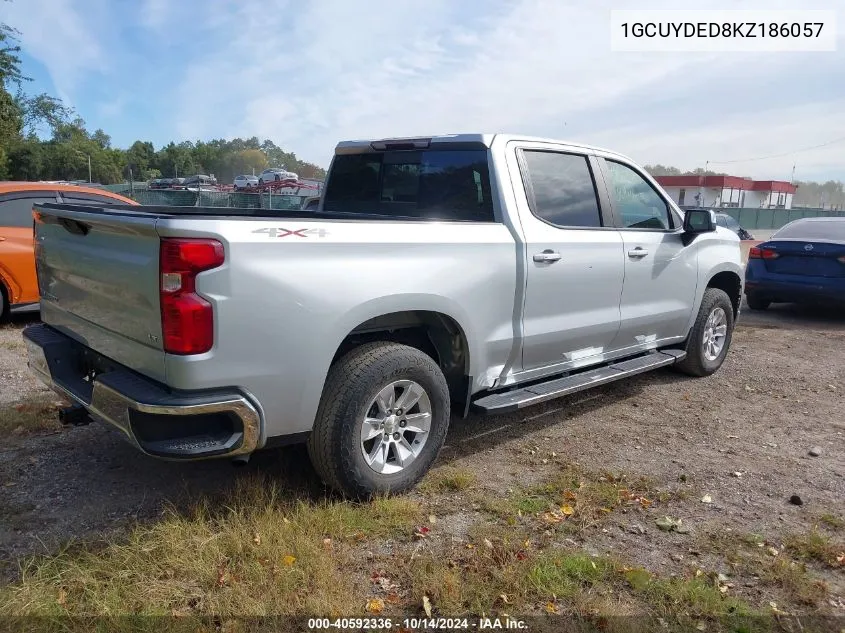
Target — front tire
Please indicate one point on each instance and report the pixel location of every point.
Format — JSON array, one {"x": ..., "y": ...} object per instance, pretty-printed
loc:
[
  {"x": 710, "y": 336},
  {"x": 381, "y": 422}
]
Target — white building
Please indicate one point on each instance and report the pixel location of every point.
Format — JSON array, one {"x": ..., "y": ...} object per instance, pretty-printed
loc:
[{"x": 728, "y": 191}]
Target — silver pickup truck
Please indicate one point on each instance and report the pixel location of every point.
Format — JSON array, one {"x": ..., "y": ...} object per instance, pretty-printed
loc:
[{"x": 437, "y": 275}]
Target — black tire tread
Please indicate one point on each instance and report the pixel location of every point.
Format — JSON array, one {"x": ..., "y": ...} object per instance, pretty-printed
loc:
[{"x": 351, "y": 374}]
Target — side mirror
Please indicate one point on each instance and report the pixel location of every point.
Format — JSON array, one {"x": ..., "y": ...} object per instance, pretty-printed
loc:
[{"x": 697, "y": 221}]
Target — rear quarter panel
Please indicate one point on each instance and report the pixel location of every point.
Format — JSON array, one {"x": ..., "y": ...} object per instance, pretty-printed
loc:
[{"x": 292, "y": 290}]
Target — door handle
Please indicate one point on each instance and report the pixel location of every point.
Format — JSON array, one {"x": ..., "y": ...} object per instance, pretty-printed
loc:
[
  {"x": 638, "y": 252},
  {"x": 546, "y": 257}
]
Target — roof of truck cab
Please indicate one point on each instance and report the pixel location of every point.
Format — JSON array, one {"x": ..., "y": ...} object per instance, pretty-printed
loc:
[
  {"x": 10, "y": 186},
  {"x": 484, "y": 139}
]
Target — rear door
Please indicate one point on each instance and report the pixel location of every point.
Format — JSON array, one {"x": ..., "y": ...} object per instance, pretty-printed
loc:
[
  {"x": 575, "y": 265},
  {"x": 660, "y": 271},
  {"x": 17, "y": 261}
]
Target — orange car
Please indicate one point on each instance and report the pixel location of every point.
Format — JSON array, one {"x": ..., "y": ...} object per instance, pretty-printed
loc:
[{"x": 18, "y": 284}]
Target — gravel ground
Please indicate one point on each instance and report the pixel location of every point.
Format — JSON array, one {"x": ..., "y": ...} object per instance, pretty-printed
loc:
[{"x": 742, "y": 436}]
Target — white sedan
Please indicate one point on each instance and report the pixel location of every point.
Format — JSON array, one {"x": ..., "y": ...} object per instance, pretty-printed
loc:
[
  {"x": 245, "y": 182},
  {"x": 276, "y": 173}
]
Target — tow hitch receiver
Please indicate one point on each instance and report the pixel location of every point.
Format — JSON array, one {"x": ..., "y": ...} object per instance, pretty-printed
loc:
[{"x": 75, "y": 415}]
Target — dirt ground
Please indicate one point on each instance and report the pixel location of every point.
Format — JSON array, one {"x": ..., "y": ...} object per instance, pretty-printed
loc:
[{"x": 741, "y": 437}]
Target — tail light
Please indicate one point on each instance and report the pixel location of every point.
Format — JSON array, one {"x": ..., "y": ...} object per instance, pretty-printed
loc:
[
  {"x": 187, "y": 320},
  {"x": 841, "y": 259},
  {"x": 762, "y": 253}
]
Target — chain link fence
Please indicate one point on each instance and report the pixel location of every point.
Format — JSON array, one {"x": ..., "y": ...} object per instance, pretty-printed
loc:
[
  {"x": 239, "y": 200},
  {"x": 775, "y": 218}
]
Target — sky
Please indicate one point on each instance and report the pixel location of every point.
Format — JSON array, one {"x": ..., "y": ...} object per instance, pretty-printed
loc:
[{"x": 309, "y": 73}]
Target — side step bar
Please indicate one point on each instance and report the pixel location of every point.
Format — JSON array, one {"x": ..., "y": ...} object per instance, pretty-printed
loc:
[{"x": 527, "y": 396}]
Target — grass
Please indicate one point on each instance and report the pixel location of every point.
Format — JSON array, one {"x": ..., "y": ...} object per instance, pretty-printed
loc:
[
  {"x": 36, "y": 414},
  {"x": 831, "y": 521},
  {"x": 793, "y": 580},
  {"x": 502, "y": 570},
  {"x": 448, "y": 479},
  {"x": 816, "y": 547},
  {"x": 256, "y": 554},
  {"x": 572, "y": 499},
  {"x": 259, "y": 552},
  {"x": 752, "y": 556}
]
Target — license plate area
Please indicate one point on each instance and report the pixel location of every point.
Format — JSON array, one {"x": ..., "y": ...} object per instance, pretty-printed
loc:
[{"x": 75, "y": 368}]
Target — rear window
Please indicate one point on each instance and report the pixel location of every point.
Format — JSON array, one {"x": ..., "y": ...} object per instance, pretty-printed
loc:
[
  {"x": 827, "y": 230},
  {"x": 434, "y": 184}
]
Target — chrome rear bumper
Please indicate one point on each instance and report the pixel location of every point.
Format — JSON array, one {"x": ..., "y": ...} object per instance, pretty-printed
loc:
[{"x": 161, "y": 422}]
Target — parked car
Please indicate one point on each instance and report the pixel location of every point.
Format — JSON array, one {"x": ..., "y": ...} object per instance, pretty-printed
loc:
[
  {"x": 276, "y": 173},
  {"x": 18, "y": 286},
  {"x": 723, "y": 219},
  {"x": 199, "y": 180},
  {"x": 245, "y": 182},
  {"x": 803, "y": 262},
  {"x": 161, "y": 183},
  {"x": 439, "y": 274}
]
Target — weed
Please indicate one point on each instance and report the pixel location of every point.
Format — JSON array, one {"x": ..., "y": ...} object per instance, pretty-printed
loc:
[
  {"x": 815, "y": 546},
  {"x": 448, "y": 479},
  {"x": 37, "y": 414},
  {"x": 257, "y": 553},
  {"x": 831, "y": 521}
]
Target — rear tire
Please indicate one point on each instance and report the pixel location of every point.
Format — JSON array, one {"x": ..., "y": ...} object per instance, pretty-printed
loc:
[
  {"x": 363, "y": 442},
  {"x": 756, "y": 303},
  {"x": 710, "y": 336}
]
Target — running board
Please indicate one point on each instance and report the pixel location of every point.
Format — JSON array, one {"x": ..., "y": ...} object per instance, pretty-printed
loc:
[{"x": 527, "y": 396}]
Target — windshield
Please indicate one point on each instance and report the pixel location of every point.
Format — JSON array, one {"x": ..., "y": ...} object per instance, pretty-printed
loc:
[{"x": 436, "y": 184}]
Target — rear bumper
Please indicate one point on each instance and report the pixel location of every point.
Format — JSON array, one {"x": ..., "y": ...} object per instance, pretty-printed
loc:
[
  {"x": 809, "y": 290},
  {"x": 161, "y": 422}
]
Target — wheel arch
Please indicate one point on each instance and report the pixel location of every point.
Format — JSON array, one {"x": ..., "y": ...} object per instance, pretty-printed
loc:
[
  {"x": 731, "y": 283},
  {"x": 436, "y": 333}
]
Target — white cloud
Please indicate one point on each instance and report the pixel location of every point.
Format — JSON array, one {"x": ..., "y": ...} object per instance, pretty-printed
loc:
[
  {"x": 330, "y": 71},
  {"x": 61, "y": 35},
  {"x": 309, "y": 74}
]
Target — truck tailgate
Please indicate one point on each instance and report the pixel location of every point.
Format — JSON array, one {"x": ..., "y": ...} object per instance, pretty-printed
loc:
[{"x": 98, "y": 276}]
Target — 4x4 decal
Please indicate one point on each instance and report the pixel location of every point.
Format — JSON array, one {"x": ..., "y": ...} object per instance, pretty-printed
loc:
[{"x": 282, "y": 232}]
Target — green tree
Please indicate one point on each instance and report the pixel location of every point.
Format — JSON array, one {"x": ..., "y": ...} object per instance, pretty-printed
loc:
[
  {"x": 245, "y": 161},
  {"x": 141, "y": 158}
]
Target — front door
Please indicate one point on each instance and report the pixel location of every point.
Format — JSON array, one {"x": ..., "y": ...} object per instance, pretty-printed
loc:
[
  {"x": 575, "y": 262},
  {"x": 660, "y": 272}
]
